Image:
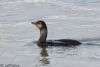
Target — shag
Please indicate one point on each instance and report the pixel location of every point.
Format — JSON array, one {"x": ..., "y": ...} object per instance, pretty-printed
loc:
[{"x": 43, "y": 35}]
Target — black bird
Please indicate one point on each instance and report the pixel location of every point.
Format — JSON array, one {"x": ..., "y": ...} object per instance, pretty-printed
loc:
[{"x": 43, "y": 35}]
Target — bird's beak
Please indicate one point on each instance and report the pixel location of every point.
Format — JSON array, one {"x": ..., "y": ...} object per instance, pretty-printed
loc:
[{"x": 33, "y": 23}]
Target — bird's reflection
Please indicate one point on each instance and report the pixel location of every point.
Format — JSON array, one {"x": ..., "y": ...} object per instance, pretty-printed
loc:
[{"x": 44, "y": 56}]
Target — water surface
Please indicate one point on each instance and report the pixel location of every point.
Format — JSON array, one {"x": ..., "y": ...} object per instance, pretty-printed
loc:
[{"x": 79, "y": 19}]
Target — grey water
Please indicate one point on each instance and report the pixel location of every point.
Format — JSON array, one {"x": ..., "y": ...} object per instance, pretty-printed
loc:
[{"x": 66, "y": 19}]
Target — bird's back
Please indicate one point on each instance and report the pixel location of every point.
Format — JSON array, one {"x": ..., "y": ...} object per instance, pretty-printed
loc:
[{"x": 62, "y": 42}]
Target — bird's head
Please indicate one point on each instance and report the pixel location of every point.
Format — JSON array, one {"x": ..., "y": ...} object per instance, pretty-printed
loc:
[{"x": 40, "y": 24}]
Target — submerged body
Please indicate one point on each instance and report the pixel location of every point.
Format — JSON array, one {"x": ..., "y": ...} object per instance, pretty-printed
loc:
[{"x": 43, "y": 35}]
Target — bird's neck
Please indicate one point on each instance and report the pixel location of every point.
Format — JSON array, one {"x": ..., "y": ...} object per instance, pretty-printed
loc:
[{"x": 43, "y": 35}]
